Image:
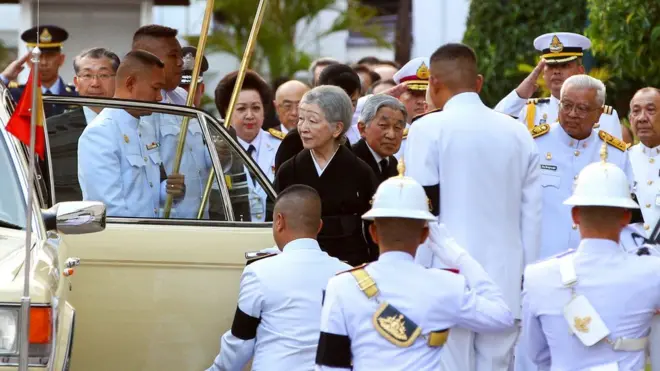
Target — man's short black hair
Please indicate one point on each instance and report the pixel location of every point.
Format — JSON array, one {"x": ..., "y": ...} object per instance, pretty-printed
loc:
[
  {"x": 454, "y": 51},
  {"x": 300, "y": 190},
  {"x": 369, "y": 60},
  {"x": 341, "y": 75},
  {"x": 456, "y": 65},
  {"x": 144, "y": 57},
  {"x": 153, "y": 30}
]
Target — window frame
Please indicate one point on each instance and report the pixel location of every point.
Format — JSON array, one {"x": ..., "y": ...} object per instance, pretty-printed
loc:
[{"x": 204, "y": 119}]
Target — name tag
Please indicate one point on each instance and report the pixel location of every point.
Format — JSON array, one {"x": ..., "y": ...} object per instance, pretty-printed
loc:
[
  {"x": 256, "y": 204},
  {"x": 548, "y": 167},
  {"x": 153, "y": 145},
  {"x": 584, "y": 321}
]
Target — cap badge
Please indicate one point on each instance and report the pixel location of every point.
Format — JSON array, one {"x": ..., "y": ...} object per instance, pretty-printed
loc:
[
  {"x": 45, "y": 36},
  {"x": 188, "y": 62},
  {"x": 423, "y": 72},
  {"x": 556, "y": 46}
]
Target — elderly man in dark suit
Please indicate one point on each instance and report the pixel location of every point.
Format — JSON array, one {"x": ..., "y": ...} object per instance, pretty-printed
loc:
[
  {"x": 95, "y": 77},
  {"x": 381, "y": 125}
]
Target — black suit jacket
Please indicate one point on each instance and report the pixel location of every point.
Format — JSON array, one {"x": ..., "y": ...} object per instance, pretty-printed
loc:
[
  {"x": 49, "y": 109},
  {"x": 362, "y": 151},
  {"x": 64, "y": 130}
]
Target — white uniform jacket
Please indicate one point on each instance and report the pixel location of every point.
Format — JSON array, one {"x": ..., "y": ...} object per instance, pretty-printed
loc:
[
  {"x": 645, "y": 164},
  {"x": 119, "y": 164},
  {"x": 480, "y": 169},
  {"x": 350, "y": 340},
  {"x": 279, "y": 310},
  {"x": 534, "y": 112},
  {"x": 622, "y": 288},
  {"x": 562, "y": 159}
]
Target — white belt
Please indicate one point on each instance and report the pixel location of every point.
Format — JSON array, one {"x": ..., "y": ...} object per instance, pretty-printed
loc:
[{"x": 629, "y": 345}]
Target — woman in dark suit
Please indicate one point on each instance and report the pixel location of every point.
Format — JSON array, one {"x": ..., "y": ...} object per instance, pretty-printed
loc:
[{"x": 345, "y": 183}]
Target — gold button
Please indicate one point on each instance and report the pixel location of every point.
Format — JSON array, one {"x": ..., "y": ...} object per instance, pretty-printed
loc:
[
  {"x": 646, "y": 227},
  {"x": 577, "y": 153},
  {"x": 258, "y": 216},
  {"x": 651, "y": 160},
  {"x": 151, "y": 185},
  {"x": 145, "y": 159},
  {"x": 574, "y": 226},
  {"x": 648, "y": 205},
  {"x": 649, "y": 182}
]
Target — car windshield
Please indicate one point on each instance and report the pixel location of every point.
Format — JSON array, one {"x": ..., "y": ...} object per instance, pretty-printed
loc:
[{"x": 12, "y": 202}]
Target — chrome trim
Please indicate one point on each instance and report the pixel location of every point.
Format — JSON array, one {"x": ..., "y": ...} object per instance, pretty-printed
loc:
[
  {"x": 69, "y": 345},
  {"x": 189, "y": 222},
  {"x": 80, "y": 217},
  {"x": 18, "y": 305},
  {"x": 54, "y": 323},
  {"x": 224, "y": 190}
]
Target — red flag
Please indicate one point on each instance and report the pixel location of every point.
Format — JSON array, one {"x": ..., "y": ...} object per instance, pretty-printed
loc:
[{"x": 20, "y": 122}]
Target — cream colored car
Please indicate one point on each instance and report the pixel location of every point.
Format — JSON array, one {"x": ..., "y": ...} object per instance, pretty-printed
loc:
[
  {"x": 52, "y": 316},
  {"x": 157, "y": 294}
]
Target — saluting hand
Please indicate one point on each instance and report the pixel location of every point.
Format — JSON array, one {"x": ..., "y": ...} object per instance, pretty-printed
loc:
[
  {"x": 14, "y": 68},
  {"x": 444, "y": 246},
  {"x": 528, "y": 87},
  {"x": 176, "y": 185},
  {"x": 396, "y": 91}
]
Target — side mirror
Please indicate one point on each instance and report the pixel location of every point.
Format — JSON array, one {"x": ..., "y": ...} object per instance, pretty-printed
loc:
[{"x": 76, "y": 217}]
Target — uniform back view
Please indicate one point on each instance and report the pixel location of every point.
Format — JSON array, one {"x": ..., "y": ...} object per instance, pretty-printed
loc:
[
  {"x": 394, "y": 314},
  {"x": 480, "y": 170},
  {"x": 591, "y": 308}
]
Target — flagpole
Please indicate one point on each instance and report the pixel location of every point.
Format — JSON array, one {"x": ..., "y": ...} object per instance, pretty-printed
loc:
[{"x": 25, "y": 300}]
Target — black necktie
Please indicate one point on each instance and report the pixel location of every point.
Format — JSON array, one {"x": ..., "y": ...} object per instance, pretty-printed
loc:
[
  {"x": 48, "y": 91},
  {"x": 251, "y": 150},
  {"x": 383, "y": 167}
]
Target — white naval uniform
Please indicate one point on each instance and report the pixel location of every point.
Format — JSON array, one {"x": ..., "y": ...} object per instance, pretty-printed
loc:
[
  {"x": 119, "y": 164},
  {"x": 487, "y": 169},
  {"x": 279, "y": 310},
  {"x": 645, "y": 164},
  {"x": 470, "y": 300},
  {"x": 266, "y": 146},
  {"x": 623, "y": 289},
  {"x": 547, "y": 112},
  {"x": 562, "y": 159}
]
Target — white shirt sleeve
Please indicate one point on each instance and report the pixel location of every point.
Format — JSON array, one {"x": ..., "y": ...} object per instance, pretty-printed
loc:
[
  {"x": 532, "y": 201},
  {"x": 334, "y": 334},
  {"x": 421, "y": 157},
  {"x": 512, "y": 105},
  {"x": 532, "y": 339}
]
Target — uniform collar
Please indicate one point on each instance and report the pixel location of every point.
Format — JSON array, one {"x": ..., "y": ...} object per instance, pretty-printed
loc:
[
  {"x": 461, "y": 99},
  {"x": 283, "y": 129},
  {"x": 122, "y": 116},
  {"x": 176, "y": 96},
  {"x": 395, "y": 256},
  {"x": 577, "y": 144},
  {"x": 598, "y": 246},
  {"x": 255, "y": 142},
  {"x": 55, "y": 89},
  {"x": 302, "y": 244},
  {"x": 650, "y": 152}
]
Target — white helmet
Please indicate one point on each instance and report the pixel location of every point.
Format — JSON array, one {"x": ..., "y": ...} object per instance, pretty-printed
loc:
[
  {"x": 400, "y": 197},
  {"x": 602, "y": 184}
]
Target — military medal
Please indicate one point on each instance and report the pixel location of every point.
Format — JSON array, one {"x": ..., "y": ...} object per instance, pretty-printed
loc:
[
  {"x": 548, "y": 156},
  {"x": 126, "y": 138}
]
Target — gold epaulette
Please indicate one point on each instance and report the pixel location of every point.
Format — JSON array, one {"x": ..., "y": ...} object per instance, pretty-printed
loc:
[
  {"x": 608, "y": 110},
  {"x": 13, "y": 85},
  {"x": 538, "y": 101},
  {"x": 352, "y": 269},
  {"x": 424, "y": 114},
  {"x": 250, "y": 261},
  {"x": 613, "y": 141},
  {"x": 276, "y": 133},
  {"x": 539, "y": 130},
  {"x": 405, "y": 133}
]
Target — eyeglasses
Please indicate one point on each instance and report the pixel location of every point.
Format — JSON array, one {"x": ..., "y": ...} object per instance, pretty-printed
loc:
[
  {"x": 101, "y": 76},
  {"x": 580, "y": 110},
  {"x": 289, "y": 105}
]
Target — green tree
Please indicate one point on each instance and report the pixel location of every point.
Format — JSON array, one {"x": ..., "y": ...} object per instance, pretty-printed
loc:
[
  {"x": 502, "y": 34},
  {"x": 625, "y": 36},
  {"x": 277, "y": 53}
]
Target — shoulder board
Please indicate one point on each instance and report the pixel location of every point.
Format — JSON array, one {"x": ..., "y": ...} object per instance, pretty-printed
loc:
[
  {"x": 608, "y": 110},
  {"x": 250, "y": 261},
  {"x": 555, "y": 257},
  {"x": 611, "y": 140},
  {"x": 405, "y": 133},
  {"x": 538, "y": 101},
  {"x": 13, "y": 85},
  {"x": 539, "y": 130},
  {"x": 276, "y": 133},
  {"x": 424, "y": 114},
  {"x": 352, "y": 269}
]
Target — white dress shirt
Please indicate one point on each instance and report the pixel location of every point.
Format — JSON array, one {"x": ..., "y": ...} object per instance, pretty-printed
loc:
[
  {"x": 623, "y": 288},
  {"x": 645, "y": 164},
  {"x": 279, "y": 310}
]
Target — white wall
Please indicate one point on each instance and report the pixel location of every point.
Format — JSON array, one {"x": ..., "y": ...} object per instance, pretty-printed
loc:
[{"x": 437, "y": 22}]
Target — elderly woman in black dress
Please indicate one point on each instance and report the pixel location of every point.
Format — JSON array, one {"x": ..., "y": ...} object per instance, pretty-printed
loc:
[{"x": 344, "y": 182}]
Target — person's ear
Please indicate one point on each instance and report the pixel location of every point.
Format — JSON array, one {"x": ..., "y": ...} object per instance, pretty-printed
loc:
[
  {"x": 480, "y": 82},
  {"x": 361, "y": 127},
  {"x": 338, "y": 129},
  {"x": 424, "y": 235},
  {"x": 373, "y": 231}
]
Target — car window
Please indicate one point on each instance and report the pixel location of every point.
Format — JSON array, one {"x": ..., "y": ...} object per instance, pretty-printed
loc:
[
  {"x": 107, "y": 154},
  {"x": 12, "y": 202}
]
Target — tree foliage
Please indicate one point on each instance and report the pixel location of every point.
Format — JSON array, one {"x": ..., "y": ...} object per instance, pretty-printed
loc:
[
  {"x": 502, "y": 34},
  {"x": 625, "y": 37},
  {"x": 277, "y": 52}
]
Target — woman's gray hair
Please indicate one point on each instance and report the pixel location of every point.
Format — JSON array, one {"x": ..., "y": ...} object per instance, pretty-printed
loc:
[
  {"x": 378, "y": 101},
  {"x": 585, "y": 82},
  {"x": 334, "y": 103}
]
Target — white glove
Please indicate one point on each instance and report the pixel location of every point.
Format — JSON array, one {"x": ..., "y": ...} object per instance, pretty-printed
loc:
[{"x": 444, "y": 246}]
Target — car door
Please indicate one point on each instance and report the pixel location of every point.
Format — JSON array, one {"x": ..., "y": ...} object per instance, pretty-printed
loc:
[{"x": 156, "y": 293}]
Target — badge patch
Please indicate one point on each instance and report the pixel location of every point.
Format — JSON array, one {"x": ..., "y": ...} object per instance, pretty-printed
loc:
[
  {"x": 394, "y": 326},
  {"x": 548, "y": 167},
  {"x": 153, "y": 145}
]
